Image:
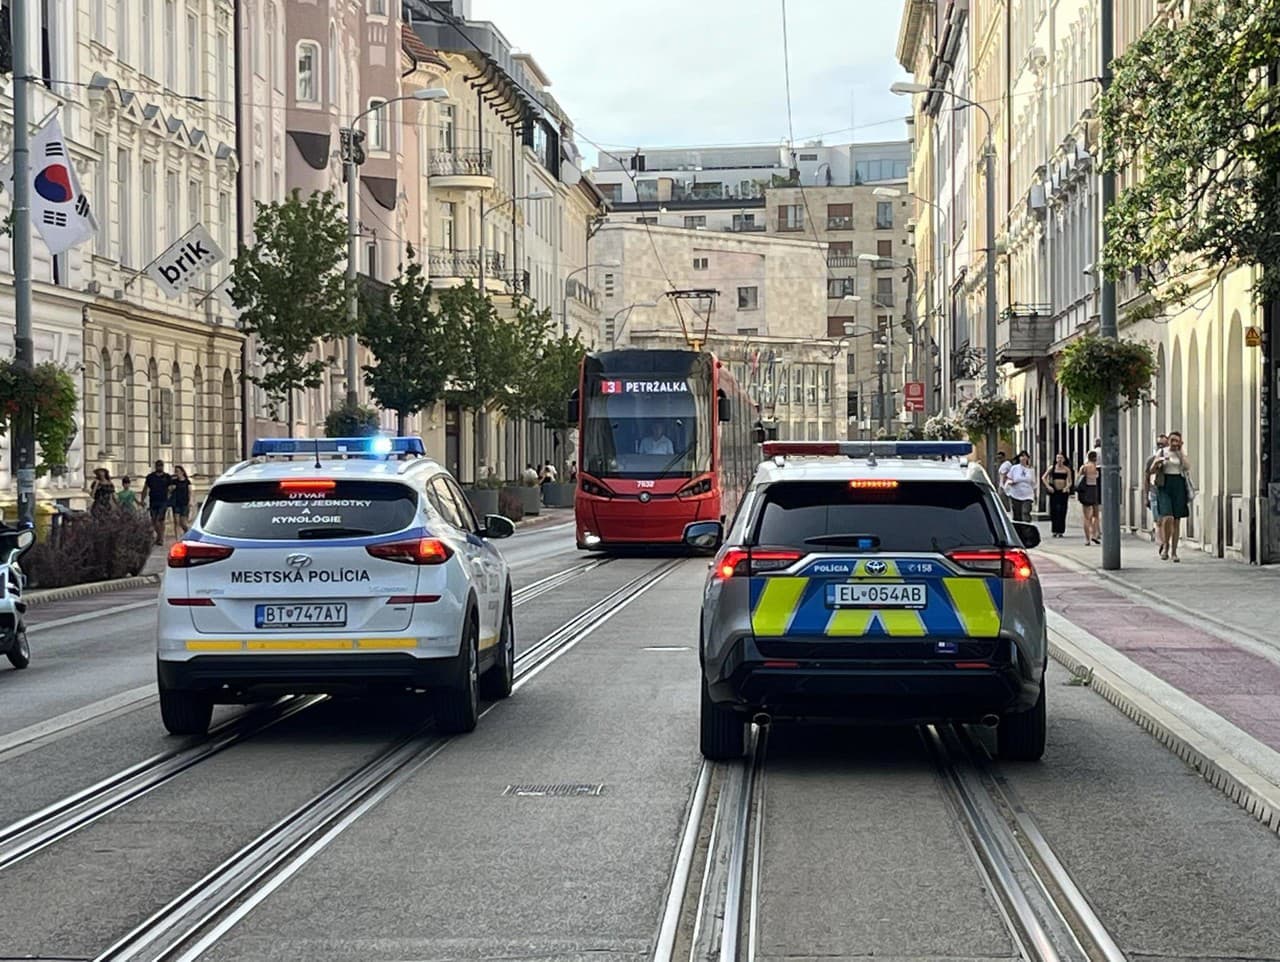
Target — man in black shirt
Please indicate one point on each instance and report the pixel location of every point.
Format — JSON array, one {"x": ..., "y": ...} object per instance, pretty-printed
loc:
[{"x": 155, "y": 492}]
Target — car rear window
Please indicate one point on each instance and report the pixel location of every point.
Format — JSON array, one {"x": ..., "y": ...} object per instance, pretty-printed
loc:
[
  {"x": 913, "y": 516},
  {"x": 300, "y": 511}
]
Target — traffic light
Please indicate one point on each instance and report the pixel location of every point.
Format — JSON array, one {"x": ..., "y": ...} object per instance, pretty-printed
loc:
[{"x": 357, "y": 147}]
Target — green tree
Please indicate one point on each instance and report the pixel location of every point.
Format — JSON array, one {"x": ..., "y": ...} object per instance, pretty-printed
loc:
[
  {"x": 557, "y": 369},
  {"x": 412, "y": 340},
  {"x": 1190, "y": 111},
  {"x": 290, "y": 290},
  {"x": 349, "y": 420}
]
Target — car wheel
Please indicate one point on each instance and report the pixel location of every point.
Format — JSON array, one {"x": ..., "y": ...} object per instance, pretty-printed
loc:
[
  {"x": 498, "y": 681},
  {"x": 185, "y": 712},
  {"x": 722, "y": 731},
  {"x": 458, "y": 706},
  {"x": 20, "y": 654},
  {"x": 1021, "y": 737}
]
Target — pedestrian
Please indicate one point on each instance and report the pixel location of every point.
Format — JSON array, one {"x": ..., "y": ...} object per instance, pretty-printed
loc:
[
  {"x": 127, "y": 498},
  {"x": 180, "y": 500},
  {"x": 548, "y": 473},
  {"x": 1089, "y": 491},
  {"x": 1020, "y": 484},
  {"x": 1175, "y": 492},
  {"x": 1002, "y": 478},
  {"x": 1058, "y": 480},
  {"x": 101, "y": 491},
  {"x": 155, "y": 492},
  {"x": 530, "y": 476},
  {"x": 1150, "y": 491}
]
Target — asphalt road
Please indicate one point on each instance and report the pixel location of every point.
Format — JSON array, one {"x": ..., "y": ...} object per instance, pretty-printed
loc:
[{"x": 861, "y": 855}]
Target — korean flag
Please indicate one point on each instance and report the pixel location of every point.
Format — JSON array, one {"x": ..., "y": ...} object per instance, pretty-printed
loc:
[{"x": 59, "y": 209}]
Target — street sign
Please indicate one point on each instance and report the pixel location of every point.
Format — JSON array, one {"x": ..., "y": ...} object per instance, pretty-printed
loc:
[
  {"x": 1253, "y": 337},
  {"x": 184, "y": 261},
  {"x": 913, "y": 396}
]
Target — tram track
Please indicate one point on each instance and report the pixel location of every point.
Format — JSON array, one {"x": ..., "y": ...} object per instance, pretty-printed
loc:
[
  {"x": 1047, "y": 915},
  {"x": 194, "y": 921}
]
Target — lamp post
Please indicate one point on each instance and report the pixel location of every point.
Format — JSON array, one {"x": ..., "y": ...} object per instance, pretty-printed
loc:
[
  {"x": 909, "y": 314},
  {"x": 24, "y": 450},
  {"x": 564, "y": 299},
  {"x": 905, "y": 87},
  {"x": 532, "y": 195},
  {"x": 352, "y": 157},
  {"x": 613, "y": 340}
]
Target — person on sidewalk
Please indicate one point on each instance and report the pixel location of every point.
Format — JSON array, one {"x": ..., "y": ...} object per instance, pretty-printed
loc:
[
  {"x": 1002, "y": 478},
  {"x": 1172, "y": 471},
  {"x": 1020, "y": 483},
  {"x": 1058, "y": 481},
  {"x": 102, "y": 491},
  {"x": 127, "y": 498},
  {"x": 1149, "y": 491},
  {"x": 1090, "y": 493},
  {"x": 155, "y": 492},
  {"x": 180, "y": 500}
]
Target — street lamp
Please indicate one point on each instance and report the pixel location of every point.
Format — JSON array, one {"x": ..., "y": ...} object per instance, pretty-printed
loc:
[
  {"x": 349, "y": 153},
  {"x": 564, "y": 300},
  {"x": 613, "y": 340},
  {"x": 908, "y": 309},
  {"x": 903, "y": 87},
  {"x": 538, "y": 194}
]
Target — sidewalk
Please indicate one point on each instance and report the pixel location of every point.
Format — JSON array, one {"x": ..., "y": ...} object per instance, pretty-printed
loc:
[{"x": 1194, "y": 642}]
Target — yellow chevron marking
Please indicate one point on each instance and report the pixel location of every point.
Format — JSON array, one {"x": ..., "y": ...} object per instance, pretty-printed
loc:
[
  {"x": 777, "y": 606},
  {"x": 901, "y": 623},
  {"x": 387, "y": 644},
  {"x": 850, "y": 622},
  {"x": 974, "y": 606}
]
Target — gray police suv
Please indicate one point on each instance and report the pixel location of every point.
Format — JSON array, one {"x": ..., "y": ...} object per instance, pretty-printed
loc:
[{"x": 872, "y": 581}]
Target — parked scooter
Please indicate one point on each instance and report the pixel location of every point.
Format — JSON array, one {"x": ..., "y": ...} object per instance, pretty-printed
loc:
[{"x": 14, "y": 543}]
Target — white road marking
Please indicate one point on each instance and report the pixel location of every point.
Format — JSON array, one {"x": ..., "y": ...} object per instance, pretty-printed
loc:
[{"x": 89, "y": 616}]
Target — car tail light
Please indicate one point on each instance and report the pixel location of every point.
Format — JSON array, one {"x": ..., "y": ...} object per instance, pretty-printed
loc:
[
  {"x": 695, "y": 489},
  {"x": 419, "y": 551},
  {"x": 307, "y": 485},
  {"x": 1012, "y": 563},
  {"x": 192, "y": 554},
  {"x": 735, "y": 562},
  {"x": 873, "y": 484},
  {"x": 413, "y": 599}
]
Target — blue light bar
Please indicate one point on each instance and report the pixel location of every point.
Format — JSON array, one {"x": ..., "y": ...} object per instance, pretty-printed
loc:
[
  {"x": 867, "y": 449},
  {"x": 375, "y": 446}
]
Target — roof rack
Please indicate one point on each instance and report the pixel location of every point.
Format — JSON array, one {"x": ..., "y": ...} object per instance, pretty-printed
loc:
[
  {"x": 375, "y": 446},
  {"x": 940, "y": 450}
]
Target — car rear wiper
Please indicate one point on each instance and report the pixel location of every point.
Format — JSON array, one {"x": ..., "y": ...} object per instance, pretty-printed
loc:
[
  {"x": 305, "y": 533},
  {"x": 867, "y": 541}
]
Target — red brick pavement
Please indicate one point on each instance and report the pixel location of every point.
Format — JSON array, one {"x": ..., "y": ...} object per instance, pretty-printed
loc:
[{"x": 1237, "y": 684}]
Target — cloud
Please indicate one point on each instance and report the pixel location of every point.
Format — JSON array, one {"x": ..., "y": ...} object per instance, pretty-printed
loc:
[{"x": 676, "y": 72}]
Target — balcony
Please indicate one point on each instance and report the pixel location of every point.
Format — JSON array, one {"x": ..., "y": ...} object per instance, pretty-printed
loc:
[
  {"x": 453, "y": 268},
  {"x": 839, "y": 223},
  {"x": 842, "y": 260},
  {"x": 883, "y": 264},
  {"x": 584, "y": 295},
  {"x": 1023, "y": 335},
  {"x": 460, "y": 167},
  {"x": 744, "y": 228}
]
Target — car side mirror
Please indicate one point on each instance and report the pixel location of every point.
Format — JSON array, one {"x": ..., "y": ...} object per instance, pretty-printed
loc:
[
  {"x": 704, "y": 535},
  {"x": 1028, "y": 533},
  {"x": 724, "y": 410},
  {"x": 496, "y": 527}
]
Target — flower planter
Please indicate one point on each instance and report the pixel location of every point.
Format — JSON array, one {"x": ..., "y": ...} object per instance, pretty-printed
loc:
[
  {"x": 557, "y": 495},
  {"x": 530, "y": 498},
  {"x": 483, "y": 501}
]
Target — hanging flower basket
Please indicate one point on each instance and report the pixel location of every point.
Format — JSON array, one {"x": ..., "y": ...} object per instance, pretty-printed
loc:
[
  {"x": 985, "y": 415},
  {"x": 944, "y": 427},
  {"x": 1096, "y": 368},
  {"x": 47, "y": 393}
]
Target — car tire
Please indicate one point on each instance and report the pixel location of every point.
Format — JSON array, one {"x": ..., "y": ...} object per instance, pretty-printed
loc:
[
  {"x": 498, "y": 681},
  {"x": 1021, "y": 737},
  {"x": 458, "y": 705},
  {"x": 185, "y": 712},
  {"x": 20, "y": 654},
  {"x": 722, "y": 731}
]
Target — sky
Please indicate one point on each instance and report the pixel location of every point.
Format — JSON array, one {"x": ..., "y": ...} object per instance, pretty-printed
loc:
[{"x": 703, "y": 72}]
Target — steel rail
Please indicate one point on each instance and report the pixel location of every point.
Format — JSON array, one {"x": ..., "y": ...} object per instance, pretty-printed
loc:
[
  {"x": 553, "y": 581},
  {"x": 190, "y": 924}
]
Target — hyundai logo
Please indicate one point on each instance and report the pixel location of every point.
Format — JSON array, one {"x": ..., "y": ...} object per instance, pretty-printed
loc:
[
  {"x": 298, "y": 560},
  {"x": 876, "y": 567},
  {"x": 644, "y": 497}
]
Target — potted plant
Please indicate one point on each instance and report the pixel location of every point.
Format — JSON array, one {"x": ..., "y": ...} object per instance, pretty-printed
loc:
[
  {"x": 1096, "y": 368},
  {"x": 985, "y": 416},
  {"x": 524, "y": 494},
  {"x": 47, "y": 393},
  {"x": 945, "y": 427},
  {"x": 483, "y": 495}
]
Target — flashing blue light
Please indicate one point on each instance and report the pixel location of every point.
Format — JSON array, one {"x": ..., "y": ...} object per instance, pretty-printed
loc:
[
  {"x": 925, "y": 449},
  {"x": 376, "y": 446}
]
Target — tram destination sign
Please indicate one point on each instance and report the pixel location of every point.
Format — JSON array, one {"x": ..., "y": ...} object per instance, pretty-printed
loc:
[{"x": 629, "y": 385}]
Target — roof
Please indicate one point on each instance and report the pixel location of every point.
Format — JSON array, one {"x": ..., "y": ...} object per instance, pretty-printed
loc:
[
  {"x": 353, "y": 469},
  {"x": 418, "y": 51},
  {"x": 845, "y": 469}
]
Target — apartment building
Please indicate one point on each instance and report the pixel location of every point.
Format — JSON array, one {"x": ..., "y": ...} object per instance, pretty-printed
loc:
[{"x": 1031, "y": 66}]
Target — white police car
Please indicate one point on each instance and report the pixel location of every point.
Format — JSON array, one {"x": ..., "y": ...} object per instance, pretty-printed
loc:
[{"x": 336, "y": 565}]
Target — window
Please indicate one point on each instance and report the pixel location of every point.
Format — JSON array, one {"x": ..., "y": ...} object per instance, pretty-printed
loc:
[
  {"x": 790, "y": 217},
  {"x": 825, "y": 375},
  {"x": 144, "y": 28},
  {"x": 748, "y": 298},
  {"x": 195, "y": 212},
  {"x": 448, "y": 239},
  {"x": 840, "y": 286},
  {"x": 378, "y": 137},
  {"x": 612, "y": 192},
  {"x": 748, "y": 332},
  {"x": 694, "y": 221},
  {"x": 700, "y": 263},
  {"x": 100, "y": 20},
  {"x": 811, "y": 383},
  {"x": 99, "y": 199},
  {"x": 646, "y": 190},
  {"x": 278, "y": 56},
  {"x": 809, "y": 157},
  {"x": 258, "y": 510},
  {"x": 148, "y": 211},
  {"x": 446, "y": 127},
  {"x": 222, "y": 68},
  {"x": 884, "y": 292},
  {"x": 835, "y": 325},
  {"x": 371, "y": 258},
  {"x": 652, "y": 221},
  {"x": 194, "y": 86},
  {"x": 171, "y": 44},
  {"x": 839, "y": 217},
  {"x": 308, "y": 61},
  {"x": 125, "y": 252},
  {"x": 224, "y": 221},
  {"x": 744, "y": 221},
  {"x": 378, "y": 8},
  {"x": 332, "y": 67},
  {"x": 884, "y": 215},
  {"x": 171, "y": 212},
  {"x": 123, "y": 23},
  {"x": 884, "y": 248}
]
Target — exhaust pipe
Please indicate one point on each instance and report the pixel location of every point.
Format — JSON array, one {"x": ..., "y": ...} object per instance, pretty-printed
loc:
[
  {"x": 763, "y": 719},
  {"x": 989, "y": 721}
]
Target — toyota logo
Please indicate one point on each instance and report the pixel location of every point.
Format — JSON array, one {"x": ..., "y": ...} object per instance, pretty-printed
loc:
[
  {"x": 876, "y": 567},
  {"x": 644, "y": 497},
  {"x": 298, "y": 560}
]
